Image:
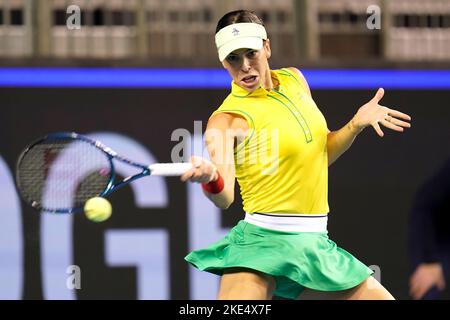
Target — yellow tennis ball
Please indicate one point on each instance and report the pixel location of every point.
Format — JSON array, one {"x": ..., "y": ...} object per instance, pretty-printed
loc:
[{"x": 97, "y": 209}]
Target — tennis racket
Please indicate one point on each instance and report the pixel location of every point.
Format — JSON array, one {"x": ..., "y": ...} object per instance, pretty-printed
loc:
[{"x": 58, "y": 173}]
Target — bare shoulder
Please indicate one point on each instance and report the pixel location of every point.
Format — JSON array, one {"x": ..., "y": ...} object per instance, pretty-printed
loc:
[
  {"x": 294, "y": 69},
  {"x": 225, "y": 120},
  {"x": 302, "y": 78}
]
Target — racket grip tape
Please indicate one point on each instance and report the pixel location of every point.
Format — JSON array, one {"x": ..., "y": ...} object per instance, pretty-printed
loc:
[{"x": 169, "y": 169}]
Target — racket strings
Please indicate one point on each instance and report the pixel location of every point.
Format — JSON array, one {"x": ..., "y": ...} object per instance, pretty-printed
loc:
[{"x": 62, "y": 174}]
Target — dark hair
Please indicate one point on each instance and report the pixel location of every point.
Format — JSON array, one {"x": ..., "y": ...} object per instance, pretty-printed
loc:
[{"x": 238, "y": 16}]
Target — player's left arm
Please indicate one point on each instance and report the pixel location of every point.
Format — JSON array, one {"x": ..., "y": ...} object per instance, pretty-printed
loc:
[{"x": 370, "y": 114}]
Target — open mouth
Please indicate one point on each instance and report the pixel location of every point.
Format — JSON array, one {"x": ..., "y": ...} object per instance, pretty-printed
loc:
[{"x": 249, "y": 79}]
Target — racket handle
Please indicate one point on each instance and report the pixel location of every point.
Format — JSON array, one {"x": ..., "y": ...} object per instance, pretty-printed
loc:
[{"x": 169, "y": 169}]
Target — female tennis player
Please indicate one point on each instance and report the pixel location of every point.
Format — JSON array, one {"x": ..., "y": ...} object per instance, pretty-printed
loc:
[{"x": 281, "y": 247}]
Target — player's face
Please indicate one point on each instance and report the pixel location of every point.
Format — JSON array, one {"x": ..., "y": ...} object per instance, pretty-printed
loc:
[{"x": 249, "y": 68}]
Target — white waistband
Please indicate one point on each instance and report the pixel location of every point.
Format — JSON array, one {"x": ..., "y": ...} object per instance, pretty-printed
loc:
[{"x": 286, "y": 222}]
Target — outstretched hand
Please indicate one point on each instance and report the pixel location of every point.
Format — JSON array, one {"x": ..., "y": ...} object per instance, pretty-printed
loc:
[{"x": 373, "y": 114}]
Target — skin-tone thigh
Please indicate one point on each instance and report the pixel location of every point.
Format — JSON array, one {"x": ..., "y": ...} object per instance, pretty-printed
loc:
[
  {"x": 370, "y": 289},
  {"x": 245, "y": 284}
]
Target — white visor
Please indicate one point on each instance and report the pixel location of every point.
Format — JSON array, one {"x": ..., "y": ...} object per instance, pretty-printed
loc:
[{"x": 239, "y": 35}]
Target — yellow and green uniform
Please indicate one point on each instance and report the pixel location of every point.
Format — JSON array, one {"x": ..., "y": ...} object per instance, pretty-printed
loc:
[
  {"x": 290, "y": 178},
  {"x": 282, "y": 165}
]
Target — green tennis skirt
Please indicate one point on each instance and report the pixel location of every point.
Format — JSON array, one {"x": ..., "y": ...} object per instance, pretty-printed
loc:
[{"x": 296, "y": 260}]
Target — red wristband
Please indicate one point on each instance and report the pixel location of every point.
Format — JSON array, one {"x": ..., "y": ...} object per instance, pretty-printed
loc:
[{"x": 214, "y": 187}]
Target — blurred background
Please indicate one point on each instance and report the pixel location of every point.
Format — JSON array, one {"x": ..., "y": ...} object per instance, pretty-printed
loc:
[{"x": 131, "y": 72}]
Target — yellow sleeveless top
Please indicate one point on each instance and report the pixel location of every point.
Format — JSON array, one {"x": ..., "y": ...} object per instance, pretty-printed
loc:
[{"x": 282, "y": 164}]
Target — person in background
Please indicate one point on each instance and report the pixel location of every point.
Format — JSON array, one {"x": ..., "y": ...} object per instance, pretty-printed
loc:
[{"x": 429, "y": 236}]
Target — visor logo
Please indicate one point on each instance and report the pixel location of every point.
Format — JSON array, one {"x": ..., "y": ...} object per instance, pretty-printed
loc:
[{"x": 235, "y": 32}]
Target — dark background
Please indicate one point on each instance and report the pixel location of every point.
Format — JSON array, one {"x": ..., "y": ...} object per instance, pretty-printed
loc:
[{"x": 371, "y": 187}]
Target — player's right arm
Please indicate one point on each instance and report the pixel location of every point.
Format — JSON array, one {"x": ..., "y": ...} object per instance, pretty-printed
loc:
[{"x": 219, "y": 140}]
